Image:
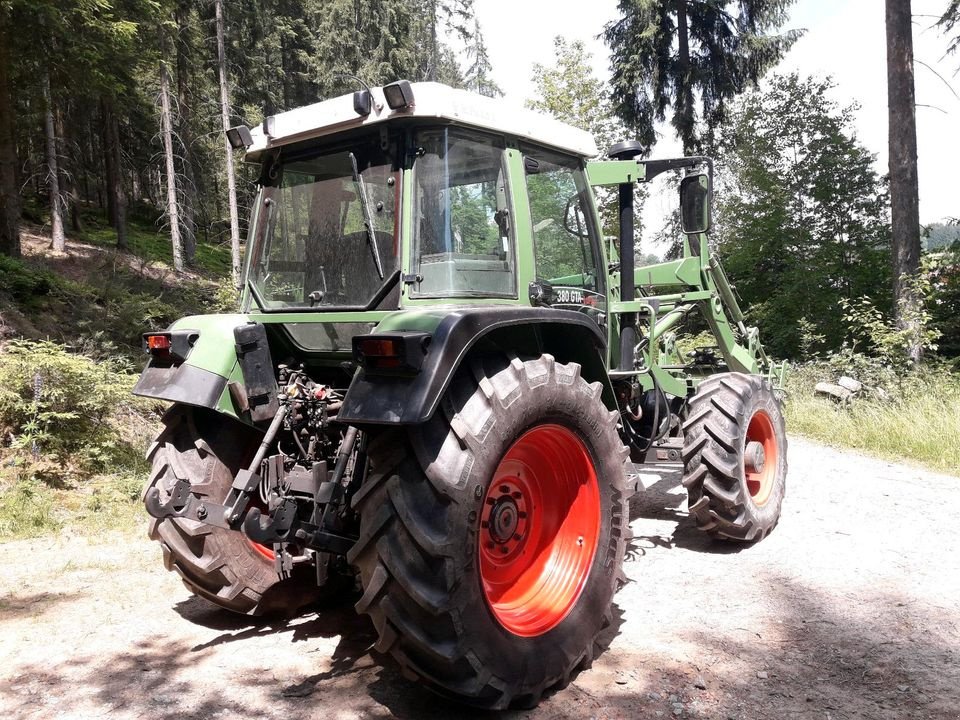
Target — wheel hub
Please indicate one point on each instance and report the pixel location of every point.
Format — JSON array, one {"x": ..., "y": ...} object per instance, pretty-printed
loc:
[
  {"x": 503, "y": 519},
  {"x": 504, "y": 516},
  {"x": 754, "y": 457}
]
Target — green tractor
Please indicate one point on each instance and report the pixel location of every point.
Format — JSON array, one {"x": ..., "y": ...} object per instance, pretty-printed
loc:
[{"x": 441, "y": 384}]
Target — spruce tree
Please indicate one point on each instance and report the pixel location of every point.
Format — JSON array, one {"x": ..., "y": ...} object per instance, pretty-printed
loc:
[{"x": 673, "y": 55}]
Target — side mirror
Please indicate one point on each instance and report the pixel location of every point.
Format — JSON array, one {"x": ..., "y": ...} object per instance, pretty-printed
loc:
[{"x": 695, "y": 210}]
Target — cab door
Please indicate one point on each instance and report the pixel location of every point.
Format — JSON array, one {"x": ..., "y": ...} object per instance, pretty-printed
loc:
[{"x": 567, "y": 258}]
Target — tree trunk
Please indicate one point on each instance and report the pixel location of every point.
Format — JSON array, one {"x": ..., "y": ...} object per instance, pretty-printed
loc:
[
  {"x": 69, "y": 168},
  {"x": 225, "y": 118},
  {"x": 683, "y": 116},
  {"x": 904, "y": 193},
  {"x": 59, "y": 241},
  {"x": 9, "y": 195},
  {"x": 110, "y": 170},
  {"x": 116, "y": 199},
  {"x": 189, "y": 194},
  {"x": 166, "y": 130}
]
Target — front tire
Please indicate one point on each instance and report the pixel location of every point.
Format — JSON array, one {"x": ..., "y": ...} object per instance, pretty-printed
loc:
[
  {"x": 735, "y": 457},
  {"x": 492, "y": 537}
]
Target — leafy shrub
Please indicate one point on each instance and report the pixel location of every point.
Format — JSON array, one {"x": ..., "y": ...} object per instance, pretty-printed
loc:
[{"x": 57, "y": 408}]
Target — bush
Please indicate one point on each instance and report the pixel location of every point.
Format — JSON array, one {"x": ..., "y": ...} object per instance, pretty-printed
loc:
[{"x": 59, "y": 412}]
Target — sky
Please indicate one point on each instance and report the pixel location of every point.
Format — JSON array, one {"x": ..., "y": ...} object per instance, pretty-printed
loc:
[{"x": 844, "y": 39}]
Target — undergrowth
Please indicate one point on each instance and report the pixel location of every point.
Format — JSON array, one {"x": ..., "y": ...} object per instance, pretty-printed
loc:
[
  {"x": 73, "y": 439},
  {"x": 904, "y": 410},
  {"x": 104, "y": 313},
  {"x": 919, "y": 420}
]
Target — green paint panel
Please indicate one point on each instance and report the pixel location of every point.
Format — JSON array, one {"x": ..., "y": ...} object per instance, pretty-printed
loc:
[
  {"x": 675, "y": 272},
  {"x": 615, "y": 172},
  {"x": 214, "y": 349}
]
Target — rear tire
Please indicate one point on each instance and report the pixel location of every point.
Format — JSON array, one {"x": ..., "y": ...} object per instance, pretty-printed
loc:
[
  {"x": 219, "y": 565},
  {"x": 521, "y": 461},
  {"x": 733, "y": 493}
]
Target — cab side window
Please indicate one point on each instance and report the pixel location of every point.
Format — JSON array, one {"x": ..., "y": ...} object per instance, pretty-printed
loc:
[{"x": 563, "y": 227}]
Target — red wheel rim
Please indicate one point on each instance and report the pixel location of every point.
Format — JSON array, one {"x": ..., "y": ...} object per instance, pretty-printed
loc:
[
  {"x": 760, "y": 482},
  {"x": 262, "y": 550},
  {"x": 539, "y": 530}
]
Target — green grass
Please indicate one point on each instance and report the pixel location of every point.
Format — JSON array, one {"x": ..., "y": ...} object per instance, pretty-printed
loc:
[
  {"x": 27, "y": 509},
  {"x": 921, "y": 424}
]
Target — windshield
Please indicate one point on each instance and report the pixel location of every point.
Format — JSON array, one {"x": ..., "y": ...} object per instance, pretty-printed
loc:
[{"x": 325, "y": 228}]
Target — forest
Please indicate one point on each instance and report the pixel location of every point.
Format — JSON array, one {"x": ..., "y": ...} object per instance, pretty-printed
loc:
[{"x": 122, "y": 207}]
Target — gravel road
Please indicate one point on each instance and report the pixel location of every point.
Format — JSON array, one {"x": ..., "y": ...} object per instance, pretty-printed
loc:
[{"x": 849, "y": 609}]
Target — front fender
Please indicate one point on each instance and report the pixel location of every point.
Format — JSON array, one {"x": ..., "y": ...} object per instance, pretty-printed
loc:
[
  {"x": 400, "y": 400},
  {"x": 201, "y": 379}
]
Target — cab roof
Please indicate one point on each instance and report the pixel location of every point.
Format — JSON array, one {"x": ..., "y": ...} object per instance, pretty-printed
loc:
[{"x": 430, "y": 100}]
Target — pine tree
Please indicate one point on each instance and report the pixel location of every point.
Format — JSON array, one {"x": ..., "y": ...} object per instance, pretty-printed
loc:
[
  {"x": 225, "y": 119},
  {"x": 668, "y": 54},
  {"x": 950, "y": 21},
  {"x": 478, "y": 74}
]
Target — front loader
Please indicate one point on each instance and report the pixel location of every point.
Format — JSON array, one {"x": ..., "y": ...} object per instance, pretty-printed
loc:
[{"x": 443, "y": 382}]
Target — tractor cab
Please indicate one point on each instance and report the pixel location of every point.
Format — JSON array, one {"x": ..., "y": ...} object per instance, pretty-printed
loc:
[{"x": 364, "y": 207}]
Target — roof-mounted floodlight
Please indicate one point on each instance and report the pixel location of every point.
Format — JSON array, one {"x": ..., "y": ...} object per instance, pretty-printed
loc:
[
  {"x": 239, "y": 137},
  {"x": 399, "y": 95}
]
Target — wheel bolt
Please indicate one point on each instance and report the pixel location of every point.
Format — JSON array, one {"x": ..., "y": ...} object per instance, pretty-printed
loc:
[
  {"x": 517, "y": 494},
  {"x": 504, "y": 489}
]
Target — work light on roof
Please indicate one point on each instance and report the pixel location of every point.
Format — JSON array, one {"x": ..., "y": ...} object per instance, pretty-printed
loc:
[
  {"x": 239, "y": 137},
  {"x": 399, "y": 95}
]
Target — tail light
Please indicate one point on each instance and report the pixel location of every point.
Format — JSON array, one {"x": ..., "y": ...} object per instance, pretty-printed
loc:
[
  {"x": 401, "y": 352},
  {"x": 169, "y": 345}
]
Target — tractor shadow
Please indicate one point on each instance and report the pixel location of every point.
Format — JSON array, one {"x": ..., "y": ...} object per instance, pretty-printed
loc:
[{"x": 666, "y": 501}]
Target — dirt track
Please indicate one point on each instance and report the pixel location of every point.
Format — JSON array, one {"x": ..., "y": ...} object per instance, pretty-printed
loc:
[{"x": 850, "y": 609}]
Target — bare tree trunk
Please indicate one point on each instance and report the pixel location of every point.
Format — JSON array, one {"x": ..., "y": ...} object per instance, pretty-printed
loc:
[
  {"x": 225, "y": 117},
  {"x": 9, "y": 195},
  {"x": 904, "y": 193},
  {"x": 189, "y": 193},
  {"x": 68, "y": 173},
  {"x": 59, "y": 241},
  {"x": 110, "y": 170},
  {"x": 167, "y": 132},
  {"x": 119, "y": 196},
  {"x": 116, "y": 198}
]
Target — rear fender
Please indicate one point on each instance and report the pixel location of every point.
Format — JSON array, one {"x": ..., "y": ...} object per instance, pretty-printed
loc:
[
  {"x": 203, "y": 377},
  {"x": 397, "y": 399}
]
